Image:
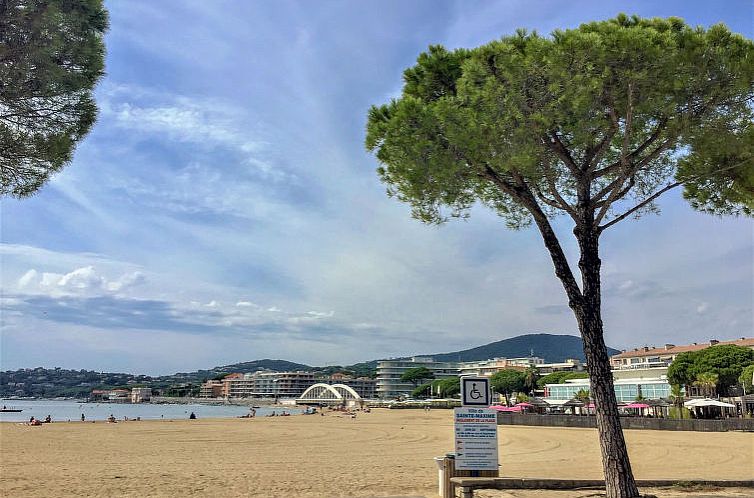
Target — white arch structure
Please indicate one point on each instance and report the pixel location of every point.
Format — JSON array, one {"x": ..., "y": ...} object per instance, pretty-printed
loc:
[{"x": 329, "y": 392}]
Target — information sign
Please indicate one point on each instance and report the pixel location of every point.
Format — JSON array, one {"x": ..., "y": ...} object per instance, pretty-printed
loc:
[
  {"x": 476, "y": 438},
  {"x": 475, "y": 391}
]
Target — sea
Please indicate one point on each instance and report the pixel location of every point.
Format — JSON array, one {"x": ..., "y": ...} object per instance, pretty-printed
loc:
[{"x": 62, "y": 411}]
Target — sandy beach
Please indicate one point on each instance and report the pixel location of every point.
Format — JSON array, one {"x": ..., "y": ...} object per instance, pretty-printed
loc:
[{"x": 383, "y": 453}]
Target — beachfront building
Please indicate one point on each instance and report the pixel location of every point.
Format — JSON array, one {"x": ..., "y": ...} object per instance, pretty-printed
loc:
[
  {"x": 487, "y": 368},
  {"x": 119, "y": 395},
  {"x": 626, "y": 390},
  {"x": 211, "y": 389},
  {"x": 282, "y": 384},
  {"x": 279, "y": 385},
  {"x": 649, "y": 357},
  {"x": 237, "y": 385},
  {"x": 569, "y": 365},
  {"x": 265, "y": 384},
  {"x": 364, "y": 386},
  {"x": 389, "y": 372},
  {"x": 141, "y": 394}
]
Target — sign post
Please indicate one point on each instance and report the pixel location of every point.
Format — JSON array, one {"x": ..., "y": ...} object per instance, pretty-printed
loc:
[
  {"x": 476, "y": 427},
  {"x": 476, "y": 439}
]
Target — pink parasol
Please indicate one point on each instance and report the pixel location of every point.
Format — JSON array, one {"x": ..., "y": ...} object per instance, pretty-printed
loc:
[
  {"x": 637, "y": 405},
  {"x": 501, "y": 408}
]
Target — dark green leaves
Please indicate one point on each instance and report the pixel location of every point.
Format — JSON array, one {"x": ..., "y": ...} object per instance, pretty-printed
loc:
[
  {"x": 508, "y": 381},
  {"x": 726, "y": 361},
  {"x": 604, "y": 114},
  {"x": 51, "y": 56}
]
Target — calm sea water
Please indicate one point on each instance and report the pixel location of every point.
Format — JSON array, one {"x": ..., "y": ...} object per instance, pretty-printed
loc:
[{"x": 62, "y": 411}]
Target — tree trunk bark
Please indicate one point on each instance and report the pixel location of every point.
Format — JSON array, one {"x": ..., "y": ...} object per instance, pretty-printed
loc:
[
  {"x": 619, "y": 479},
  {"x": 586, "y": 305}
]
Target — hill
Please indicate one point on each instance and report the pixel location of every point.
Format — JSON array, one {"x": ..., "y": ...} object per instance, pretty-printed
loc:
[
  {"x": 552, "y": 348},
  {"x": 248, "y": 367}
]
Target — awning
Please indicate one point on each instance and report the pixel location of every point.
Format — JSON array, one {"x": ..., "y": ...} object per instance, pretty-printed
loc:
[{"x": 707, "y": 402}]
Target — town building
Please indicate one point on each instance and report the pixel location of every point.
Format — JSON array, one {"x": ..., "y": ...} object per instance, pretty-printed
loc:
[
  {"x": 389, "y": 372},
  {"x": 569, "y": 365},
  {"x": 638, "y": 373},
  {"x": 626, "y": 390},
  {"x": 364, "y": 386},
  {"x": 278, "y": 385},
  {"x": 141, "y": 394},
  {"x": 282, "y": 384},
  {"x": 652, "y": 357},
  {"x": 211, "y": 389},
  {"x": 487, "y": 368}
]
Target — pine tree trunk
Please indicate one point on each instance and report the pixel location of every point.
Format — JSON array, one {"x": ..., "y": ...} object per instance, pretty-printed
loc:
[
  {"x": 586, "y": 305},
  {"x": 619, "y": 479}
]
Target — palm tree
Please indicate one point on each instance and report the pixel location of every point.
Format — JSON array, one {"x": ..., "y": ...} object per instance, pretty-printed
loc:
[
  {"x": 707, "y": 382},
  {"x": 584, "y": 396},
  {"x": 530, "y": 379},
  {"x": 677, "y": 397}
]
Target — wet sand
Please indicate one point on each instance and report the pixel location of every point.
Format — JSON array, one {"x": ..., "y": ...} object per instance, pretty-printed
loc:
[{"x": 383, "y": 453}]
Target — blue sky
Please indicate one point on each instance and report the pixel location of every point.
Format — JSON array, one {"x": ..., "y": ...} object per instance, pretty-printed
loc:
[{"x": 223, "y": 208}]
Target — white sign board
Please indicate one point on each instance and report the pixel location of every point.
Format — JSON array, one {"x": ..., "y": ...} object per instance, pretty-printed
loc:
[
  {"x": 476, "y": 438},
  {"x": 475, "y": 391}
]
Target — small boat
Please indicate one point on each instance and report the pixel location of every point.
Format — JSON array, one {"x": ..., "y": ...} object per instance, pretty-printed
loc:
[{"x": 10, "y": 410}]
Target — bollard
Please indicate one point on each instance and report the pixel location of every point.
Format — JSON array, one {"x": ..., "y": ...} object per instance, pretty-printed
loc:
[{"x": 446, "y": 468}]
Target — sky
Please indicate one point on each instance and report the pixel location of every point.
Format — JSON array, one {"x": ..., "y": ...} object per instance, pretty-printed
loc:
[{"x": 224, "y": 209}]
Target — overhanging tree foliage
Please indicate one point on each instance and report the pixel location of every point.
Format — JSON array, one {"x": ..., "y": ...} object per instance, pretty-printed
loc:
[
  {"x": 594, "y": 123},
  {"x": 727, "y": 361},
  {"x": 51, "y": 56}
]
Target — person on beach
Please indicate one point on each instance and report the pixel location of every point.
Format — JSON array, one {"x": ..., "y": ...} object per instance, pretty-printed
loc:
[
  {"x": 48, "y": 419},
  {"x": 83, "y": 418},
  {"x": 192, "y": 416}
]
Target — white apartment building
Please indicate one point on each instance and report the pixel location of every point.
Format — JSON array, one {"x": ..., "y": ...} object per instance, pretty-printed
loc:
[
  {"x": 389, "y": 372},
  {"x": 489, "y": 367}
]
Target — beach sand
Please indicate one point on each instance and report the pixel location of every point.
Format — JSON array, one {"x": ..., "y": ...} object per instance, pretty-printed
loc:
[{"x": 383, "y": 453}]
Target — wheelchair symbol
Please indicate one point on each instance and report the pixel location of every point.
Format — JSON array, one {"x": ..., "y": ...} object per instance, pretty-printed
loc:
[{"x": 474, "y": 393}]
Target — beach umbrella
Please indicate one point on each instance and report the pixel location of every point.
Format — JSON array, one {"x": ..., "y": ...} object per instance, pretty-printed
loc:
[
  {"x": 501, "y": 408},
  {"x": 637, "y": 405},
  {"x": 657, "y": 403},
  {"x": 539, "y": 402},
  {"x": 573, "y": 402},
  {"x": 708, "y": 402}
]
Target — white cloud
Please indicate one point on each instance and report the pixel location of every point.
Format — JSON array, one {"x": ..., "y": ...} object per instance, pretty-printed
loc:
[
  {"x": 246, "y": 304},
  {"x": 702, "y": 308},
  {"x": 27, "y": 278},
  {"x": 126, "y": 280},
  {"x": 200, "y": 121},
  {"x": 320, "y": 314},
  {"x": 82, "y": 281}
]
